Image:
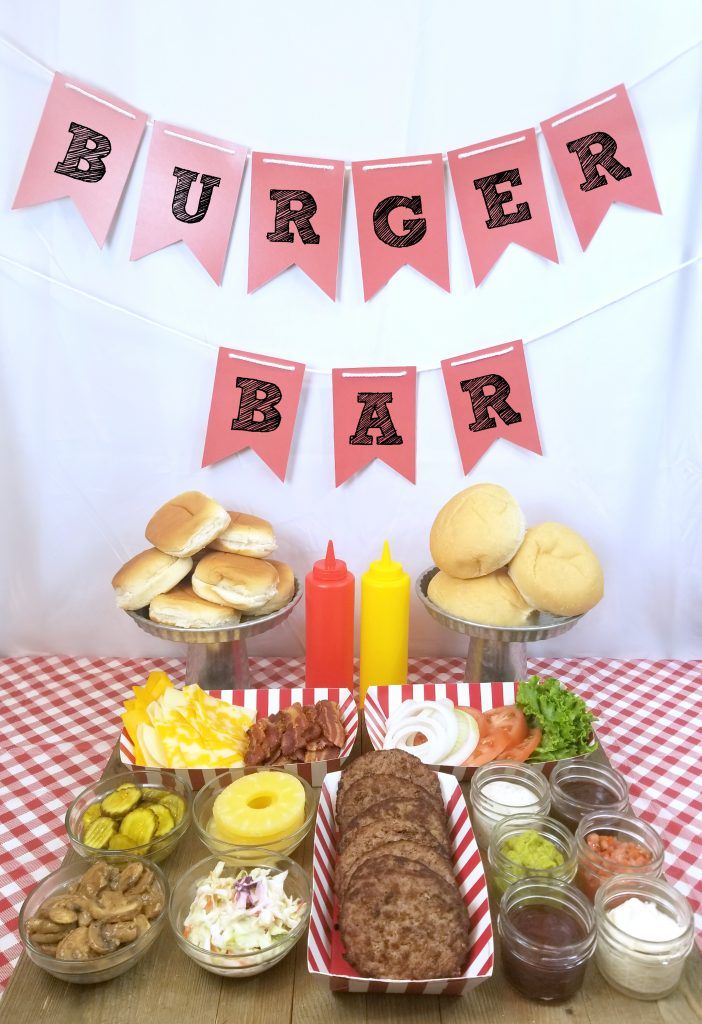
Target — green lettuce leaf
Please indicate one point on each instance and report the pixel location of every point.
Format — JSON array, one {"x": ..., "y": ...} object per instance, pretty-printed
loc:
[{"x": 562, "y": 716}]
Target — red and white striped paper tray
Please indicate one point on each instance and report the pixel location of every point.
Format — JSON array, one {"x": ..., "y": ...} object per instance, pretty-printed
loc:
[
  {"x": 266, "y": 702},
  {"x": 381, "y": 701},
  {"x": 470, "y": 877}
]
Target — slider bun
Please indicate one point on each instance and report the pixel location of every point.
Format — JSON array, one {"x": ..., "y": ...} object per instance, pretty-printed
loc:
[
  {"x": 244, "y": 583},
  {"x": 557, "y": 571},
  {"x": 182, "y": 607},
  {"x": 246, "y": 535},
  {"x": 147, "y": 575},
  {"x": 477, "y": 531},
  {"x": 285, "y": 591},
  {"x": 186, "y": 524},
  {"x": 493, "y": 599}
]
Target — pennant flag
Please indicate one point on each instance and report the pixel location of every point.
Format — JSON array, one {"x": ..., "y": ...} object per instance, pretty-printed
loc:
[
  {"x": 254, "y": 405},
  {"x": 190, "y": 191},
  {"x": 490, "y": 397},
  {"x": 499, "y": 187},
  {"x": 600, "y": 159},
  {"x": 84, "y": 149},
  {"x": 375, "y": 417},
  {"x": 295, "y": 218},
  {"x": 401, "y": 215}
]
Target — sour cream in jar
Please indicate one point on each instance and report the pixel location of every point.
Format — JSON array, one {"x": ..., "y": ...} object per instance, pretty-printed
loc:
[{"x": 502, "y": 788}]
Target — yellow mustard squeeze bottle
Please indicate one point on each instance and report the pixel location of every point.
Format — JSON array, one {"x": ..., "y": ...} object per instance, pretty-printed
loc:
[{"x": 385, "y": 601}]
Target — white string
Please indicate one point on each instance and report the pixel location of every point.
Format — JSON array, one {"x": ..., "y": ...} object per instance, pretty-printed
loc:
[
  {"x": 584, "y": 110},
  {"x": 485, "y": 355},
  {"x": 313, "y": 369},
  {"x": 261, "y": 362},
  {"x": 644, "y": 78}
]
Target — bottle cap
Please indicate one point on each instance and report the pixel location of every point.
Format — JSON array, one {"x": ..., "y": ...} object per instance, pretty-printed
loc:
[
  {"x": 385, "y": 567},
  {"x": 330, "y": 567}
]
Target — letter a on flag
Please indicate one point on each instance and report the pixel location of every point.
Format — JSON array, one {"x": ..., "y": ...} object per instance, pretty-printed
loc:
[{"x": 254, "y": 405}]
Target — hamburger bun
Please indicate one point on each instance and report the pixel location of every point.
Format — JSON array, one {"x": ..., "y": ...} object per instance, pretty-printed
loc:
[
  {"x": 183, "y": 608},
  {"x": 147, "y": 575},
  {"x": 493, "y": 599},
  {"x": 477, "y": 531},
  {"x": 186, "y": 524},
  {"x": 246, "y": 535},
  {"x": 244, "y": 583},
  {"x": 284, "y": 593},
  {"x": 557, "y": 571}
]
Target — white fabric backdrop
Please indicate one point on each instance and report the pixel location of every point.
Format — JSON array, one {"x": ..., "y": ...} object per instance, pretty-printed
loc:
[{"x": 102, "y": 418}]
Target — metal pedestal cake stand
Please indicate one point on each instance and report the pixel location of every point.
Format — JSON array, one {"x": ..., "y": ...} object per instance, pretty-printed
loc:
[
  {"x": 495, "y": 653},
  {"x": 217, "y": 658}
]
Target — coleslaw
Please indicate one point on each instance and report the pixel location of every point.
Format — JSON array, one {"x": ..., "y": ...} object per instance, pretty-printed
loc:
[{"x": 242, "y": 913}]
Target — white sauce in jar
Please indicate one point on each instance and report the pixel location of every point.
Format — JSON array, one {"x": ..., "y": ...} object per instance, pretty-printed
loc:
[
  {"x": 642, "y": 919},
  {"x": 509, "y": 794},
  {"x": 496, "y": 801}
]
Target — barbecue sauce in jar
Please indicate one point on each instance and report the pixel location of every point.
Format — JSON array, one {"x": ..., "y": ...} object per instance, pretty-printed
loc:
[
  {"x": 547, "y": 933},
  {"x": 580, "y": 787}
]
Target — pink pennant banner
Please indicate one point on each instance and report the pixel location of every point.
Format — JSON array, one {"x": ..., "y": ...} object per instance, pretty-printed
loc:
[
  {"x": 401, "y": 216},
  {"x": 295, "y": 218},
  {"x": 375, "y": 417},
  {"x": 501, "y": 197},
  {"x": 83, "y": 149},
  {"x": 190, "y": 191},
  {"x": 490, "y": 397},
  {"x": 254, "y": 405},
  {"x": 600, "y": 159}
]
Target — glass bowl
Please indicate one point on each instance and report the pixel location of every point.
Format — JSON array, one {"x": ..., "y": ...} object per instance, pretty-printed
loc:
[
  {"x": 87, "y": 972},
  {"x": 238, "y": 965},
  {"x": 146, "y": 778},
  {"x": 222, "y": 848}
]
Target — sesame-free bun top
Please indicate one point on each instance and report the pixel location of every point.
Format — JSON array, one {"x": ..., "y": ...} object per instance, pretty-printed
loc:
[
  {"x": 244, "y": 583},
  {"x": 182, "y": 607},
  {"x": 477, "y": 531},
  {"x": 246, "y": 535},
  {"x": 186, "y": 524},
  {"x": 284, "y": 593},
  {"x": 557, "y": 571},
  {"x": 148, "y": 574},
  {"x": 493, "y": 599}
]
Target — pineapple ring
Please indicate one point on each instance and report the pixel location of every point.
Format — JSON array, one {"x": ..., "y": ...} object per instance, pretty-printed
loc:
[{"x": 260, "y": 808}]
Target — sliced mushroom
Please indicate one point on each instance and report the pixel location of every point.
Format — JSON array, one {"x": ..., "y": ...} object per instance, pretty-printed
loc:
[
  {"x": 145, "y": 879},
  {"x": 75, "y": 946},
  {"x": 152, "y": 902},
  {"x": 64, "y": 909},
  {"x": 49, "y": 950},
  {"x": 129, "y": 876},
  {"x": 114, "y": 906},
  {"x": 47, "y": 938},
  {"x": 96, "y": 878},
  {"x": 41, "y": 924},
  {"x": 142, "y": 923}
]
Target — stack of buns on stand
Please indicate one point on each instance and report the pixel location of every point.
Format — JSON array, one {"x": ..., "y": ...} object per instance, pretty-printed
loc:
[
  {"x": 207, "y": 581},
  {"x": 504, "y": 585}
]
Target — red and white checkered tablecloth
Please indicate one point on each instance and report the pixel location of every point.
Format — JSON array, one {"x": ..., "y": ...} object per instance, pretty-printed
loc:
[{"x": 60, "y": 721}]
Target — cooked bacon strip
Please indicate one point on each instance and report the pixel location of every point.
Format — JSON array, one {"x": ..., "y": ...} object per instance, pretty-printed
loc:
[{"x": 310, "y": 733}]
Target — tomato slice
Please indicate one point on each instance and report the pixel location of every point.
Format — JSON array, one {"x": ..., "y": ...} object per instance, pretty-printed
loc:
[
  {"x": 525, "y": 749},
  {"x": 512, "y": 720},
  {"x": 490, "y": 747},
  {"x": 481, "y": 720}
]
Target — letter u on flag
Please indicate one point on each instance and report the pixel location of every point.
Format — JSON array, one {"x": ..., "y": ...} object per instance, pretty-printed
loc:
[
  {"x": 190, "y": 191},
  {"x": 490, "y": 397},
  {"x": 375, "y": 417},
  {"x": 295, "y": 218},
  {"x": 254, "y": 405},
  {"x": 600, "y": 159},
  {"x": 401, "y": 216},
  {"x": 501, "y": 198},
  {"x": 83, "y": 149}
]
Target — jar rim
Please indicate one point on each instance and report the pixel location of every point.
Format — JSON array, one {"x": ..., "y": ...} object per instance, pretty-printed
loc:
[
  {"x": 606, "y": 773},
  {"x": 558, "y": 893},
  {"x": 655, "y": 890},
  {"x": 521, "y": 775},
  {"x": 634, "y": 830}
]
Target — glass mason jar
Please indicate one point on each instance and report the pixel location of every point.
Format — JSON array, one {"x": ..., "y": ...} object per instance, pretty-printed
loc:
[
  {"x": 594, "y": 868},
  {"x": 486, "y": 812},
  {"x": 581, "y": 787},
  {"x": 503, "y": 871},
  {"x": 547, "y": 936},
  {"x": 642, "y": 968}
]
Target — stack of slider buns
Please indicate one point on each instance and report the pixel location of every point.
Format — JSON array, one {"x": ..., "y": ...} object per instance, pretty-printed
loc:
[
  {"x": 495, "y": 571},
  {"x": 206, "y": 568}
]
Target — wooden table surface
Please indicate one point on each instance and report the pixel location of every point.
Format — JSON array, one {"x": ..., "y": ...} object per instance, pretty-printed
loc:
[{"x": 166, "y": 987}]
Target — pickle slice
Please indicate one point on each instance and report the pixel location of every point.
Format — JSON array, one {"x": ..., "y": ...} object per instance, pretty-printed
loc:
[
  {"x": 120, "y": 842},
  {"x": 153, "y": 795},
  {"x": 176, "y": 805},
  {"x": 164, "y": 818},
  {"x": 90, "y": 814},
  {"x": 139, "y": 826},
  {"x": 127, "y": 785},
  {"x": 120, "y": 802},
  {"x": 98, "y": 834}
]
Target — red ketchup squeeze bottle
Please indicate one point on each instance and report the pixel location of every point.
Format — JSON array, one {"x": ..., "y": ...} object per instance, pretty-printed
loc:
[{"x": 329, "y": 612}]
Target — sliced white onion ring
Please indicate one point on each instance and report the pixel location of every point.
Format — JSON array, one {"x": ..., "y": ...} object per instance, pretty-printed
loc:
[
  {"x": 430, "y": 750},
  {"x": 468, "y": 739},
  {"x": 435, "y": 719}
]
